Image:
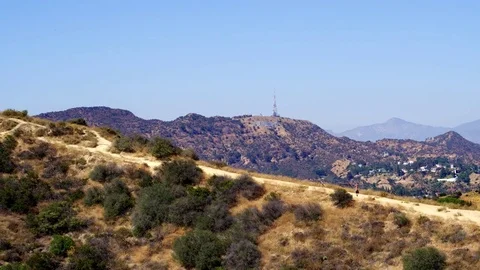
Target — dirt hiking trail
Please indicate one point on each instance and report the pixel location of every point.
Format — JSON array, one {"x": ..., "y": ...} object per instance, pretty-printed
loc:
[{"x": 103, "y": 147}]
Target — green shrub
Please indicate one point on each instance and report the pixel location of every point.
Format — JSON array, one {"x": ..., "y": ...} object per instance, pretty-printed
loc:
[
  {"x": 424, "y": 258},
  {"x": 106, "y": 172},
  {"x": 242, "y": 255},
  {"x": 401, "y": 220},
  {"x": 186, "y": 210},
  {"x": 5, "y": 245},
  {"x": 181, "y": 172},
  {"x": 60, "y": 245},
  {"x": 215, "y": 218},
  {"x": 124, "y": 144},
  {"x": 57, "y": 218},
  {"x": 94, "y": 196},
  {"x": 162, "y": 148},
  {"x": 56, "y": 167},
  {"x": 88, "y": 257},
  {"x": 199, "y": 249},
  {"x": 20, "y": 195},
  {"x": 252, "y": 222},
  {"x": 273, "y": 196},
  {"x": 341, "y": 198},
  {"x": 14, "y": 266},
  {"x": 308, "y": 212},
  {"x": 39, "y": 152},
  {"x": 153, "y": 205},
  {"x": 14, "y": 113},
  {"x": 454, "y": 200},
  {"x": 118, "y": 199},
  {"x": 6, "y": 149},
  {"x": 222, "y": 189},
  {"x": 144, "y": 177},
  {"x": 42, "y": 261},
  {"x": 78, "y": 121}
]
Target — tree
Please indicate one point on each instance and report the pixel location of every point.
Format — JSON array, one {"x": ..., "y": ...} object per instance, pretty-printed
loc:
[
  {"x": 181, "y": 172},
  {"x": 60, "y": 245},
  {"x": 199, "y": 249}
]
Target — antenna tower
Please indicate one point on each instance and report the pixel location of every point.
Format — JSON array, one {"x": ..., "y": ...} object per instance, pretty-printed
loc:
[{"x": 275, "y": 111}]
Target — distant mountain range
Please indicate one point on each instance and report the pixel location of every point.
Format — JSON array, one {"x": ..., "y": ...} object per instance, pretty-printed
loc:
[
  {"x": 396, "y": 128},
  {"x": 271, "y": 144}
]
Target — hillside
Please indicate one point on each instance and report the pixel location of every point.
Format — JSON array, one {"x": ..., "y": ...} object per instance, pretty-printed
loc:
[
  {"x": 267, "y": 144},
  {"x": 266, "y": 224}
]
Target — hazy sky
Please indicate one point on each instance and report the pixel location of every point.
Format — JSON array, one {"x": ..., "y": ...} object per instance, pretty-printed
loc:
[{"x": 339, "y": 64}]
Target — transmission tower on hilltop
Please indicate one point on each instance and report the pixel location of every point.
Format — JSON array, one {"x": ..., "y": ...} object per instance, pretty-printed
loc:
[{"x": 275, "y": 111}]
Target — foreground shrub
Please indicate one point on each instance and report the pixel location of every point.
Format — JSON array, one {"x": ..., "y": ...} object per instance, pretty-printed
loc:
[
  {"x": 42, "y": 261},
  {"x": 215, "y": 218},
  {"x": 20, "y": 195},
  {"x": 94, "y": 196},
  {"x": 106, "y": 172},
  {"x": 308, "y": 212},
  {"x": 186, "y": 210},
  {"x": 454, "y": 200},
  {"x": 181, "y": 172},
  {"x": 6, "y": 163},
  {"x": 88, "y": 257},
  {"x": 341, "y": 198},
  {"x": 199, "y": 249},
  {"x": 14, "y": 266},
  {"x": 118, "y": 199},
  {"x": 162, "y": 148},
  {"x": 60, "y": 245},
  {"x": 424, "y": 258},
  {"x": 242, "y": 255},
  {"x": 57, "y": 218},
  {"x": 153, "y": 206}
]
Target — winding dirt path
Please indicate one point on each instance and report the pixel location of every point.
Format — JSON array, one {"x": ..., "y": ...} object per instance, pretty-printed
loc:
[{"x": 104, "y": 145}]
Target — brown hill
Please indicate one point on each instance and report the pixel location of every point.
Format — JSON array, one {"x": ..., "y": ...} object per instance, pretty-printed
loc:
[{"x": 270, "y": 144}]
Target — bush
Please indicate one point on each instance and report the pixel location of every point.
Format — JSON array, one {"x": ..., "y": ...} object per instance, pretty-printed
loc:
[
  {"x": 181, "y": 172},
  {"x": 251, "y": 221},
  {"x": 308, "y": 212},
  {"x": 56, "y": 167},
  {"x": 94, "y": 196},
  {"x": 14, "y": 266},
  {"x": 20, "y": 195},
  {"x": 216, "y": 218},
  {"x": 78, "y": 121},
  {"x": 222, "y": 189},
  {"x": 14, "y": 113},
  {"x": 186, "y": 210},
  {"x": 199, "y": 249},
  {"x": 42, "y": 261},
  {"x": 189, "y": 153},
  {"x": 242, "y": 255},
  {"x": 272, "y": 210},
  {"x": 454, "y": 200},
  {"x": 60, "y": 245},
  {"x": 88, "y": 257},
  {"x": 40, "y": 151},
  {"x": 57, "y": 218},
  {"x": 341, "y": 198},
  {"x": 5, "y": 245},
  {"x": 106, "y": 172},
  {"x": 401, "y": 220},
  {"x": 6, "y": 163},
  {"x": 153, "y": 205},
  {"x": 143, "y": 176},
  {"x": 248, "y": 188},
  {"x": 162, "y": 148},
  {"x": 118, "y": 199},
  {"x": 424, "y": 258}
]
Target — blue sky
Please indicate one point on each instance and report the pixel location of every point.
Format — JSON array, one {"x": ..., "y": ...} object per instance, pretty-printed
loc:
[{"x": 338, "y": 64}]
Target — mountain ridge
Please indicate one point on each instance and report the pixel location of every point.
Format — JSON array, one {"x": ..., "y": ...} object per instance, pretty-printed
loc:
[{"x": 268, "y": 144}]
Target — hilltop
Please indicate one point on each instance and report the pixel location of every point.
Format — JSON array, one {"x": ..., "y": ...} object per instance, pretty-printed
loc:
[
  {"x": 276, "y": 145},
  {"x": 106, "y": 204}
]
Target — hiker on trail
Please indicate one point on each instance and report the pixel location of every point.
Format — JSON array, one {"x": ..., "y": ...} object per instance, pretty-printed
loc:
[{"x": 356, "y": 189}]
